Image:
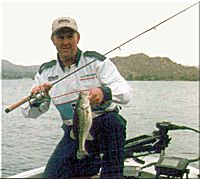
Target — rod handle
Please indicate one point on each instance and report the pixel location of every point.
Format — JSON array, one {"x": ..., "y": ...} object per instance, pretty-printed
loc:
[{"x": 17, "y": 104}]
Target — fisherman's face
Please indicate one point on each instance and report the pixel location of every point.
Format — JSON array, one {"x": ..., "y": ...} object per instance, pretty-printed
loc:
[{"x": 66, "y": 41}]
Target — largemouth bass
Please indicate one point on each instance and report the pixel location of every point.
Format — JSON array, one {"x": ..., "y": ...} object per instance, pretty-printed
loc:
[{"x": 82, "y": 123}]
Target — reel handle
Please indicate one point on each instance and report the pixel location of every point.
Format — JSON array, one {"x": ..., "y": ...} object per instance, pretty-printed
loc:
[{"x": 17, "y": 104}]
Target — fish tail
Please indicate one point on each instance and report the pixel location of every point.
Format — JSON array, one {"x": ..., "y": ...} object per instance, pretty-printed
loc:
[{"x": 81, "y": 154}]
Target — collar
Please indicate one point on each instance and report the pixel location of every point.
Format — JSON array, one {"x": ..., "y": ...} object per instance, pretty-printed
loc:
[{"x": 76, "y": 59}]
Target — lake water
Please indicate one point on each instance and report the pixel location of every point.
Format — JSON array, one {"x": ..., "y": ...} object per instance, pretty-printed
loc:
[{"x": 28, "y": 143}]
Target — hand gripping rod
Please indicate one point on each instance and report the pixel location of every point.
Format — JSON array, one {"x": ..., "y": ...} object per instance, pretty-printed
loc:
[{"x": 27, "y": 98}]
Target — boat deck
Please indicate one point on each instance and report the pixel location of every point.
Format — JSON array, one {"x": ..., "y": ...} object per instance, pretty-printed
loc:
[{"x": 132, "y": 170}]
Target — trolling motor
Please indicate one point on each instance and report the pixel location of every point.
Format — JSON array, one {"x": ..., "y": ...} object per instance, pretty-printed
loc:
[
  {"x": 156, "y": 143},
  {"x": 150, "y": 144}
]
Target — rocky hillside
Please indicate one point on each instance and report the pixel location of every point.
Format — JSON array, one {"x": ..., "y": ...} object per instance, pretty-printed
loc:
[
  {"x": 143, "y": 67},
  {"x": 12, "y": 71},
  {"x": 133, "y": 67}
]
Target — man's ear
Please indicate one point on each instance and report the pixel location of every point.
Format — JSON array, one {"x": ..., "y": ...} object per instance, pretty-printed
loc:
[
  {"x": 78, "y": 37},
  {"x": 52, "y": 39}
]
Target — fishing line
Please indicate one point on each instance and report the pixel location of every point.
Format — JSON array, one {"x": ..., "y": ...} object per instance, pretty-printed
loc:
[
  {"x": 119, "y": 47},
  {"x": 27, "y": 98}
]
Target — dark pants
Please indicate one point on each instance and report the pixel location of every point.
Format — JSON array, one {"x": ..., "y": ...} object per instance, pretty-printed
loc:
[{"x": 106, "y": 151}]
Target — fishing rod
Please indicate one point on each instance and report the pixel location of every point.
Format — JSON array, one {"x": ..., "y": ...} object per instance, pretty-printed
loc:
[
  {"x": 28, "y": 98},
  {"x": 119, "y": 47}
]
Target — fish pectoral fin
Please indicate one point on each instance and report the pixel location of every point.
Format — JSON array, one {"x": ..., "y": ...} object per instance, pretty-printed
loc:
[
  {"x": 89, "y": 137},
  {"x": 71, "y": 134}
]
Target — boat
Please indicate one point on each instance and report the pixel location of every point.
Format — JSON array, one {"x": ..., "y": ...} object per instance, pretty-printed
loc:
[
  {"x": 132, "y": 169},
  {"x": 146, "y": 158}
]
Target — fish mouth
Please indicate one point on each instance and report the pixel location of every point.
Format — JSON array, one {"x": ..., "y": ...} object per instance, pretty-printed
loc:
[
  {"x": 84, "y": 107},
  {"x": 85, "y": 92}
]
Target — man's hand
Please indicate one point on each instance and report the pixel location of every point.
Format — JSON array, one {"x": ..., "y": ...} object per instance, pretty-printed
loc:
[
  {"x": 40, "y": 95},
  {"x": 43, "y": 87},
  {"x": 95, "y": 96}
]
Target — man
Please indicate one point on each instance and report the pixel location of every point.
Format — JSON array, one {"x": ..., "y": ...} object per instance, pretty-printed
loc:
[{"x": 106, "y": 87}]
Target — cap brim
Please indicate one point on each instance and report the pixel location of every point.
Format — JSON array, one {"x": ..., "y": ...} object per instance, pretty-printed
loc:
[{"x": 63, "y": 26}]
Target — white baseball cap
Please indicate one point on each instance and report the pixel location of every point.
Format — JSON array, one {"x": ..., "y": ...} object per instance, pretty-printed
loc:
[{"x": 64, "y": 22}]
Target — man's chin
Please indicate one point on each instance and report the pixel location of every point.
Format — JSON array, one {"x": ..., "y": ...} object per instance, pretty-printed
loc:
[
  {"x": 67, "y": 58},
  {"x": 66, "y": 55}
]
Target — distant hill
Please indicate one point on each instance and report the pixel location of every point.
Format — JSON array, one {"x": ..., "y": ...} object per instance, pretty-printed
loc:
[
  {"x": 134, "y": 67},
  {"x": 12, "y": 71},
  {"x": 143, "y": 67}
]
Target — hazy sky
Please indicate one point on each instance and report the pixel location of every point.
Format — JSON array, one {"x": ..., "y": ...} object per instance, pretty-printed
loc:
[{"x": 26, "y": 29}]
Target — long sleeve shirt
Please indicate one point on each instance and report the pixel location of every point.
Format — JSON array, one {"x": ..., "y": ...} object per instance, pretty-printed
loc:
[{"x": 101, "y": 73}]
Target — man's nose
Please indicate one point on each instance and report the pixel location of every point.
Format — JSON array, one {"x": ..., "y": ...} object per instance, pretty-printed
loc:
[{"x": 65, "y": 41}]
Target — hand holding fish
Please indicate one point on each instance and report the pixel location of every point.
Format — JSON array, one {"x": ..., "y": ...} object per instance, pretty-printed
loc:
[{"x": 95, "y": 96}]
